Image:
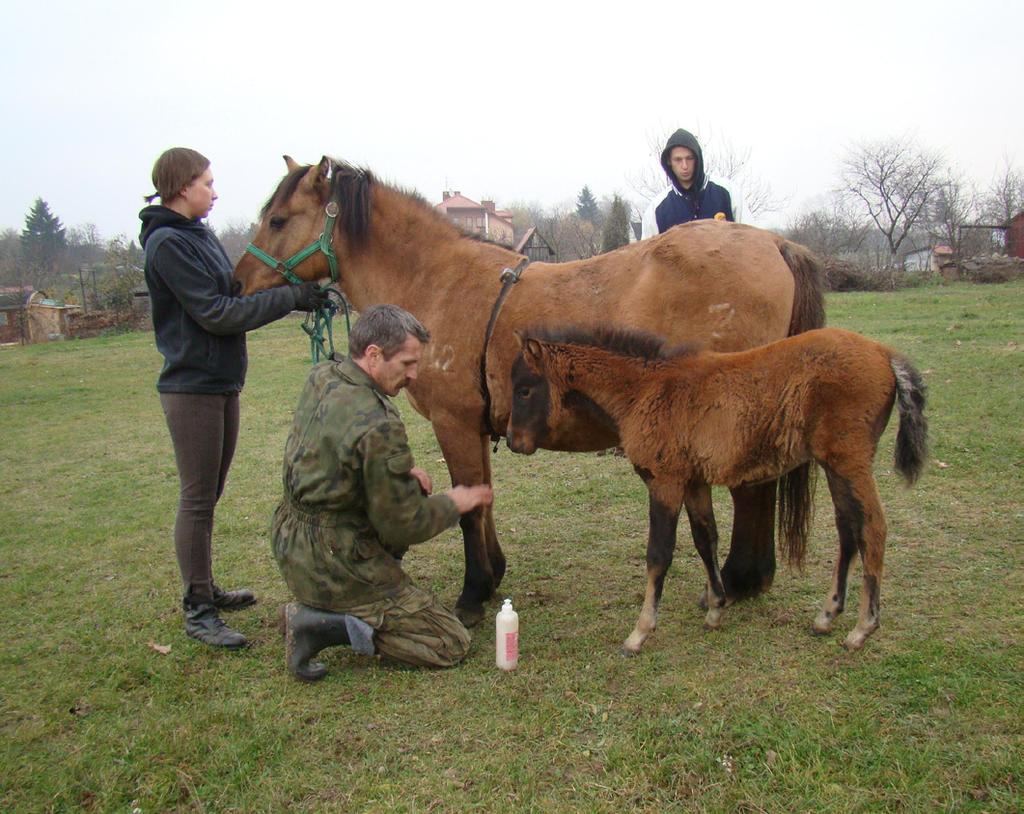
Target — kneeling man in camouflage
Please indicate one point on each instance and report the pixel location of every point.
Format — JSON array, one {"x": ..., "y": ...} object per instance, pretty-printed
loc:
[{"x": 354, "y": 503}]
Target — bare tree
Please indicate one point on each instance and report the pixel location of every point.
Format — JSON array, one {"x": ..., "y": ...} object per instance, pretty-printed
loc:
[
  {"x": 722, "y": 161},
  {"x": 235, "y": 236},
  {"x": 10, "y": 254},
  {"x": 831, "y": 230},
  {"x": 1005, "y": 196},
  {"x": 955, "y": 205},
  {"x": 895, "y": 181},
  {"x": 583, "y": 238}
]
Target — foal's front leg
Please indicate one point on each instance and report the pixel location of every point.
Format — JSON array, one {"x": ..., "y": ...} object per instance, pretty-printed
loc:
[
  {"x": 701, "y": 513},
  {"x": 661, "y": 544}
]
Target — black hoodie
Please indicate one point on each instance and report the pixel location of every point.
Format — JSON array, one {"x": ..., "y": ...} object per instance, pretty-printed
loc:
[
  {"x": 200, "y": 327},
  {"x": 684, "y": 138}
]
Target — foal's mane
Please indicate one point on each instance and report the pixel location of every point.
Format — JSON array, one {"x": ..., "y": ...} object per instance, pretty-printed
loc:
[
  {"x": 634, "y": 344},
  {"x": 350, "y": 189}
]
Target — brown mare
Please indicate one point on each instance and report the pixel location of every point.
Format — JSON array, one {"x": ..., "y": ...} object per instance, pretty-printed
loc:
[
  {"x": 688, "y": 419},
  {"x": 728, "y": 285}
]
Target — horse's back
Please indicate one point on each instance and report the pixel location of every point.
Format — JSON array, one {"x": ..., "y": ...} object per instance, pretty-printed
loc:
[{"x": 722, "y": 284}]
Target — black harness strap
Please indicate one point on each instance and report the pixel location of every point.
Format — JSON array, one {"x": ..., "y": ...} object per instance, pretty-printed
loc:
[{"x": 509, "y": 277}]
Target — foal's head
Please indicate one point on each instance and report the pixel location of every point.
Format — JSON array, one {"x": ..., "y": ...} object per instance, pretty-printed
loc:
[
  {"x": 547, "y": 404},
  {"x": 296, "y": 215}
]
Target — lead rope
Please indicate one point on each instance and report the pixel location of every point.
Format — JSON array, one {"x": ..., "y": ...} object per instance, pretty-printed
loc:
[{"x": 318, "y": 324}]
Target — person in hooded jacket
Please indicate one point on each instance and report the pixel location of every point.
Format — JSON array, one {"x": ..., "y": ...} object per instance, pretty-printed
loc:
[
  {"x": 200, "y": 330},
  {"x": 690, "y": 194}
]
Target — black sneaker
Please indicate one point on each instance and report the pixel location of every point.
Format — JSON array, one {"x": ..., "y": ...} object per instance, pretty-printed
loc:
[
  {"x": 203, "y": 623},
  {"x": 232, "y": 600}
]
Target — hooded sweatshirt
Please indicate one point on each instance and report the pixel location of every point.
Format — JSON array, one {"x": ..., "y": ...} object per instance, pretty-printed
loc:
[
  {"x": 200, "y": 327},
  {"x": 704, "y": 198}
]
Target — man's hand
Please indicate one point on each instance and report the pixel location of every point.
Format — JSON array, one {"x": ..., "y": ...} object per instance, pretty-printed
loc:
[
  {"x": 467, "y": 498},
  {"x": 425, "y": 483}
]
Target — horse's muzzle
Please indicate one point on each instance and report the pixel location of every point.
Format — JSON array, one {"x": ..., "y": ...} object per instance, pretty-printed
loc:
[{"x": 519, "y": 443}]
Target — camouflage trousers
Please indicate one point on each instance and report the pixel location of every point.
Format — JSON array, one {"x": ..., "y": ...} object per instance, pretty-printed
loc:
[{"x": 415, "y": 628}]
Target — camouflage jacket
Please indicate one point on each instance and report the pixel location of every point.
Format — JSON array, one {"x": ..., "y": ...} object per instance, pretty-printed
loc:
[{"x": 351, "y": 508}]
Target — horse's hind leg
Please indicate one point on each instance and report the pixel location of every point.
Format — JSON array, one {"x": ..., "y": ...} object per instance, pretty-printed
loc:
[
  {"x": 860, "y": 522},
  {"x": 661, "y": 543},
  {"x": 701, "y": 513}
]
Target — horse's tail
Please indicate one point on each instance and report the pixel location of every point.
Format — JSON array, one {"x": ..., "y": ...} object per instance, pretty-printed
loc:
[
  {"x": 796, "y": 504},
  {"x": 796, "y": 487},
  {"x": 808, "y": 287},
  {"x": 912, "y": 435}
]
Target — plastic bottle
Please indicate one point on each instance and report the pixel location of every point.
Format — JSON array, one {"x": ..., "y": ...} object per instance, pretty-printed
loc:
[{"x": 506, "y": 637}]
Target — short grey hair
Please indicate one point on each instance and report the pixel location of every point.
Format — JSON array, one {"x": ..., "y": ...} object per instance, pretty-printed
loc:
[{"x": 387, "y": 327}]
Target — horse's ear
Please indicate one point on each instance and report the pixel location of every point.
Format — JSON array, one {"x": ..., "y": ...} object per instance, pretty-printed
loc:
[
  {"x": 533, "y": 351},
  {"x": 291, "y": 163},
  {"x": 320, "y": 175}
]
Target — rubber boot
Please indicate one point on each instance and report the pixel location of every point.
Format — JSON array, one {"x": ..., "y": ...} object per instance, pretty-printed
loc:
[{"x": 307, "y": 631}]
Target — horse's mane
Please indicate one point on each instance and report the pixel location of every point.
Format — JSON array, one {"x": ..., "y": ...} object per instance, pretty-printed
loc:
[
  {"x": 628, "y": 342},
  {"x": 350, "y": 189}
]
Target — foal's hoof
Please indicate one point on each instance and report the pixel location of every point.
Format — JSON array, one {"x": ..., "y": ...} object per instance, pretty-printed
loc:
[
  {"x": 822, "y": 625},
  {"x": 856, "y": 639},
  {"x": 470, "y": 615},
  {"x": 629, "y": 653}
]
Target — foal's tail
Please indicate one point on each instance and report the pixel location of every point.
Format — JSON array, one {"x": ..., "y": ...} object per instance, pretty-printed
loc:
[
  {"x": 796, "y": 501},
  {"x": 912, "y": 435},
  {"x": 808, "y": 287}
]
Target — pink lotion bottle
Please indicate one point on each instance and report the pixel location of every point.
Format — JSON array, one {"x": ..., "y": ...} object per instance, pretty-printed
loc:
[{"x": 506, "y": 637}]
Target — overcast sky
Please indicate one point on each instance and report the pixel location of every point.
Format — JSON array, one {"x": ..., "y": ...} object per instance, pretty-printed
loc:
[{"x": 518, "y": 101}]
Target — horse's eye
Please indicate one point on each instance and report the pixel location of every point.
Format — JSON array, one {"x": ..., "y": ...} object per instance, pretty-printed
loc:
[
  {"x": 523, "y": 392},
  {"x": 277, "y": 222}
]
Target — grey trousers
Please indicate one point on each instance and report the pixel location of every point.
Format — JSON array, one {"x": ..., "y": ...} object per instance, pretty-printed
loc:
[{"x": 204, "y": 431}]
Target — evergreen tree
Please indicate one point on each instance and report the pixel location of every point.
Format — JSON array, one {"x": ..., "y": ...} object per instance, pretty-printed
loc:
[
  {"x": 616, "y": 227},
  {"x": 42, "y": 244},
  {"x": 586, "y": 206}
]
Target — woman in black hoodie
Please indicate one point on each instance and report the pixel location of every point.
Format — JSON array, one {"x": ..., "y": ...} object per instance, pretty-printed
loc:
[{"x": 200, "y": 331}]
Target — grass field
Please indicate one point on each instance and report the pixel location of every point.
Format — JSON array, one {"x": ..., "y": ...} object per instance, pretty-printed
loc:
[{"x": 758, "y": 717}]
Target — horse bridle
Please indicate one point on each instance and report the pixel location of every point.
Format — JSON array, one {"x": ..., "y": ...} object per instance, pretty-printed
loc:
[
  {"x": 318, "y": 323},
  {"x": 509, "y": 277},
  {"x": 324, "y": 244}
]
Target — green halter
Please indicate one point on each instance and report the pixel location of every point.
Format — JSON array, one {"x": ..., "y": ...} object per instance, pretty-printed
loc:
[
  {"x": 317, "y": 323},
  {"x": 325, "y": 244}
]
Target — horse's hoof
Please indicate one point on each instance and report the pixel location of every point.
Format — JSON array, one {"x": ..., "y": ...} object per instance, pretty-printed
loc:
[
  {"x": 628, "y": 653},
  {"x": 822, "y": 625},
  {"x": 713, "y": 619},
  {"x": 470, "y": 616},
  {"x": 855, "y": 641}
]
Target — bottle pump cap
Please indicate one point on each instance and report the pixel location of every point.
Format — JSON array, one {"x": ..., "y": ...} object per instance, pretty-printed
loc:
[{"x": 506, "y": 604}]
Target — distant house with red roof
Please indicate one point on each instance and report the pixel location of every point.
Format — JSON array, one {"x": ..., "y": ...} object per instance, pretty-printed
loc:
[{"x": 482, "y": 218}]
